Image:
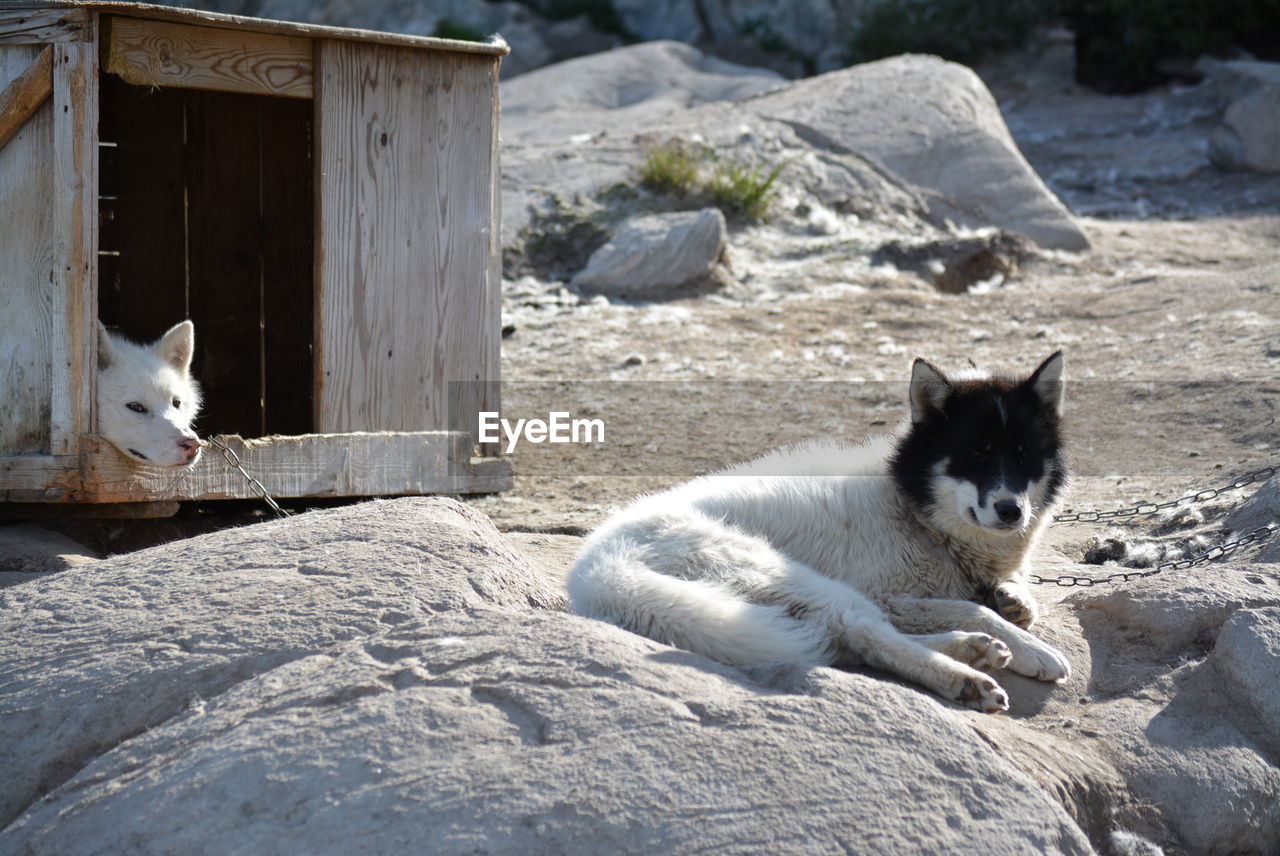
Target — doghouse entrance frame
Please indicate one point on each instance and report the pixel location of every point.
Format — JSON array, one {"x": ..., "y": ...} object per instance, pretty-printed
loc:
[{"x": 352, "y": 321}]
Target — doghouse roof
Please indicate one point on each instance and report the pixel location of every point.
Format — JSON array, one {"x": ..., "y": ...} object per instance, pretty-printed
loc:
[{"x": 10, "y": 15}]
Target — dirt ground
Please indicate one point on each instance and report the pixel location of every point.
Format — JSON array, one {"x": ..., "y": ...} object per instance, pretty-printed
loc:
[{"x": 1170, "y": 326}]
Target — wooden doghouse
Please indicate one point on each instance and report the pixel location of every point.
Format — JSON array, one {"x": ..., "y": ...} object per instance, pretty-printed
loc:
[{"x": 321, "y": 202}]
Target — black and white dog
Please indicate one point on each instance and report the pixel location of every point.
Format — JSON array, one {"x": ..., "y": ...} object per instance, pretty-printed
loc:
[{"x": 869, "y": 555}]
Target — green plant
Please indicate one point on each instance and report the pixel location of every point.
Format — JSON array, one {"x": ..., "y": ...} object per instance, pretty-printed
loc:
[
  {"x": 740, "y": 188},
  {"x": 744, "y": 189},
  {"x": 672, "y": 167}
]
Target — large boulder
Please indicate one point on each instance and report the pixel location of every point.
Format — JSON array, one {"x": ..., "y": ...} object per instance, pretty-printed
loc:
[
  {"x": 935, "y": 125},
  {"x": 908, "y": 137},
  {"x": 95, "y": 655},
  {"x": 393, "y": 676},
  {"x": 1249, "y": 135}
]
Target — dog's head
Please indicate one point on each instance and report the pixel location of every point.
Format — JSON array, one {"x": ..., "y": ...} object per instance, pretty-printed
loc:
[
  {"x": 147, "y": 398},
  {"x": 983, "y": 452}
]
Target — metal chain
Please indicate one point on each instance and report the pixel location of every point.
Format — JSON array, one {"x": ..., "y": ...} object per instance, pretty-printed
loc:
[
  {"x": 1262, "y": 533},
  {"x": 1146, "y": 509},
  {"x": 256, "y": 486}
]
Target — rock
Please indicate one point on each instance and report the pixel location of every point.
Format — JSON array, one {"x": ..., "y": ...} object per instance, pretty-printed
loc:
[
  {"x": 393, "y": 675},
  {"x": 632, "y": 87},
  {"x": 94, "y": 655},
  {"x": 28, "y": 551},
  {"x": 1247, "y": 656},
  {"x": 1262, "y": 508},
  {"x": 506, "y": 733},
  {"x": 954, "y": 265},
  {"x": 1159, "y": 702},
  {"x": 1249, "y": 135},
  {"x": 652, "y": 20},
  {"x": 893, "y": 141},
  {"x": 935, "y": 125},
  {"x": 659, "y": 255}
]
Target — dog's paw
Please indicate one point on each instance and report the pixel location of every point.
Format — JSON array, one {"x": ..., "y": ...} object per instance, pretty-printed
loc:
[
  {"x": 981, "y": 692},
  {"x": 1016, "y": 607},
  {"x": 979, "y": 650},
  {"x": 1038, "y": 660}
]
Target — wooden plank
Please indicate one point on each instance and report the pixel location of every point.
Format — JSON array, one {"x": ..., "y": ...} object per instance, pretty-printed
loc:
[
  {"x": 39, "y": 478},
  {"x": 388, "y": 464},
  {"x": 156, "y": 53},
  {"x": 24, "y": 95},
  {"x": 26, "y": 23},
  {"x": 307, "y": 466},
  {"x": 30, "y": 8},
  {"x": 75, "y": 221},
  {"x": 28, "y": 273},
  {"x": 407, "y": 300}
]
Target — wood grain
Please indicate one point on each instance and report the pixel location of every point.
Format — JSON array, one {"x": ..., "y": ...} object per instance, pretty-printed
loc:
[
  {"x": 75, "y": 228},
  {"x": 50, "y": 13},
  {"x": 28, "y": 274},
  {"x": 158, "y": 53},
  {"x": 382, "y": 464},
  {"x": 29, "y": 23},
  {"x": 24, "y": 95},
  {"x": 407, "y": 299}
]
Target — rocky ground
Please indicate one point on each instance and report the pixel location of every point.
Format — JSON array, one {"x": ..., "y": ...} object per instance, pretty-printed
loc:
[
  {"x": 1169, "y": 323},
  {"x": 392, "y": 674}
]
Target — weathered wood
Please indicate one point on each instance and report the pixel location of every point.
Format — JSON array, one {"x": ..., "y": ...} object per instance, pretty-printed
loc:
[
  {"x": 407, "y": 299},
  {"x": 160, "y": 54},
  {"x": 27, "y": 272},
  {"x": 39, "y": 478},
  {"x": 31, "y": 8},
  {"x": 22, "y": 97},
  {"x": 75, "y": 221},
  {"x": 26, "y": 23},
  {"x": 390, "y": 464}
]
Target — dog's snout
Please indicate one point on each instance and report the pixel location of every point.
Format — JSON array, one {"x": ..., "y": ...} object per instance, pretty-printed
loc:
[
  {"x": 1008, "y": 511},
  {"x": 189, "y": 446}
]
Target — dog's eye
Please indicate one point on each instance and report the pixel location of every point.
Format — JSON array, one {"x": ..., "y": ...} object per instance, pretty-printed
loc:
[
  {"x": 137, "y": 407},
  {"x": 177, "y": 402},
  {"x": 981, "y": 452}
]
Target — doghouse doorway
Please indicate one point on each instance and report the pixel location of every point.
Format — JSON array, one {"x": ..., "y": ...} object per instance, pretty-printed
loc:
[{"x": 206, "y": 212}]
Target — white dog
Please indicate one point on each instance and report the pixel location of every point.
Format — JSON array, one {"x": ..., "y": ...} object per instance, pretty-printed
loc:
[
  {"x": 147, "y": 398},
  {"x": 906, "y": 554}
]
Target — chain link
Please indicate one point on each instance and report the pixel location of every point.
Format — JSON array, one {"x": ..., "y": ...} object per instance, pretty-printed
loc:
[
  {"x": 1146, "y": 509},
  {"x": 1262, "y": 533},
  {"x": 256, "y": 486}
]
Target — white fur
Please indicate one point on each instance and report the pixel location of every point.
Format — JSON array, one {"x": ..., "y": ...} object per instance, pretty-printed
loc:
[
  {"x": 812, "y": 554},
  {"x": 147, "y": 398}
]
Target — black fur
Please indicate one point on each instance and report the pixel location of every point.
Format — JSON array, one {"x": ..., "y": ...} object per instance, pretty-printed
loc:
[{"x": 979, "y": 445}]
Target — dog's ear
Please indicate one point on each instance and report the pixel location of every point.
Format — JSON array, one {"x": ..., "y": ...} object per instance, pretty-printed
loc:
[
  {"x": 177, "y": 346},
  {"x": 1047, "y": 382},
  {"x": 929, "y": 389},
  {"x": 105, "y": 352}
]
